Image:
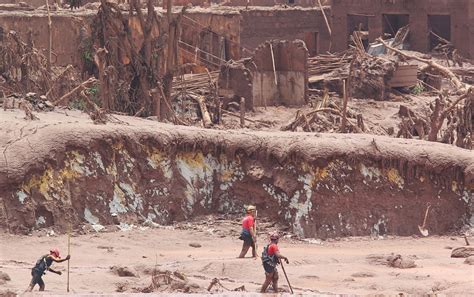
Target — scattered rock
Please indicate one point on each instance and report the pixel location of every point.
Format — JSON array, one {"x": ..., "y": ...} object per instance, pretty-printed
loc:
[
  {"x": 108, "y": 248},
  {"x": 363, "y": 274},
  {"x": 398, "y": 262},
  {"x": 123, "y": 271},
  {"x": 469, "y": 260},
  {"x": 121, "y": 287},
  {"x": 8, "y": 293},
  {"x": 310, "y": 276},
  {"x": 256, "y": 172},
  {"x": 195, "y": 245},
  {"x": 5, "y": 277},
  {"x": 462, "y": 252}
]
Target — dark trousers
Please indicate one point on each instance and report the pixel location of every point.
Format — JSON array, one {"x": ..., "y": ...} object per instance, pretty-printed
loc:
[{"x": 36, "y": 278}]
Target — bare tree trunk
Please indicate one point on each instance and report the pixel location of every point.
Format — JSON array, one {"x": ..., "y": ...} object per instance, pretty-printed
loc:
[{"x": 104, "y": 87}]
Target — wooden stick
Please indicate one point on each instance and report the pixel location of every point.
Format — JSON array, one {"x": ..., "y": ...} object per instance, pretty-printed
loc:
[
  {"x": 327, "y": 23},
  {"x": 76, "y": 89},
  {"x": 242, "y": 112},
  {"x": 69, "y": 253},
  {"x": 286, "y": 276},
  {"x": 50, "y": 37},
  {"x": 255, "y": 232},
  {"x": 60, "y": 76},
  {"x": 274, "y": 68},
  {"x": 344, "y": 107},
  {"x": 206, "y": 118}
]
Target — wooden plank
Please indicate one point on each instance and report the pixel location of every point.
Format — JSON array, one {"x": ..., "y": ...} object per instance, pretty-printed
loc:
[{"x": 404, "y": 76}]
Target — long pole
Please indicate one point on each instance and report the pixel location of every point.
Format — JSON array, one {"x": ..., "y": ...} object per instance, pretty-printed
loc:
[
  {"x": 256, "y": 247},
  {"x": 286, "y": 276},
  {"x": 69, "y": 253},
  {"x": 50, "y": 38},
  {"x": 273, "y": 63}
]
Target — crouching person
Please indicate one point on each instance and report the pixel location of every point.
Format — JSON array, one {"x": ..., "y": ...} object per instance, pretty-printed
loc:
[
  {"x": 42, "y": 265},
  {"x": 271, "y": 257}
]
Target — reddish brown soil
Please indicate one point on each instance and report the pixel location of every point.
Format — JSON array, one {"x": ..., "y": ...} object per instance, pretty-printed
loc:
[
  {"x": 349, "y": 266},
  {"x": 323, "y": 185}
]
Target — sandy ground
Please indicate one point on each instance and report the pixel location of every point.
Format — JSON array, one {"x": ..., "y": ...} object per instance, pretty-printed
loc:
[{"x": 346, "y": 266}]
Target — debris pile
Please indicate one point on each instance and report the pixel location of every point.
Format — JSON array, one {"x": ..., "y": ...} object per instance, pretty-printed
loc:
[
  {"x": 170, "y": 281},
  {"x": 392, "y": 260},
  {"x": 217, "y": 286},
  {"x": 397, "y": 261},
  {"x": 462, "y": 252},
  {"x": 123, "y": 271}
]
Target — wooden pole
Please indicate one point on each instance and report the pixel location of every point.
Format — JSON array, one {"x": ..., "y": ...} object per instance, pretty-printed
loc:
[
  {"x": 242, "y": 112},
  {"x": 255, "y": 232},
  {"x": 50, "y": 37},
  {"x": 344, "y": 107},
  {"x": 274, "y": 68},
  {"x": 69, "y": 253},
  {"x": 286, "y": 276},
  {"x": 327, "y": 24}
]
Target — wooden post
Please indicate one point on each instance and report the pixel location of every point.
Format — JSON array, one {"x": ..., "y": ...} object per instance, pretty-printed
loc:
[
  {"x": 242, "y": 112},
  {"x": 50, "y": 37},
  {"x": 274, "y": 68},
  {"x": 344, "y": 108}
]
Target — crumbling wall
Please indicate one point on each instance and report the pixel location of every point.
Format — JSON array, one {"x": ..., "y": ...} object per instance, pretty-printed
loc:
[
  {"x": 208, "y": 38},
  {"x": 66, "y": 32},
  {"x": 307, "y": 24},
  {"x": 287, "y": 85},
  {"x": 322, "y": 185},
  {"x": 461, "y": 12},
  {"x": 302, "y": 3},
  {"x": 235, "y": 82}
]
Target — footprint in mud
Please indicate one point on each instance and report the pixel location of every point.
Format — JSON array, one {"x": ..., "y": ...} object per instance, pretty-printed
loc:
[
  {"x": 310, "y": 276},
  {"x": 206, "y": 267},
  {"x": 363, "y": 274}
]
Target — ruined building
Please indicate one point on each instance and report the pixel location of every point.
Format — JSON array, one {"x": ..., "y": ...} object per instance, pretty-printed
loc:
[{"x": 451, "y": 20}]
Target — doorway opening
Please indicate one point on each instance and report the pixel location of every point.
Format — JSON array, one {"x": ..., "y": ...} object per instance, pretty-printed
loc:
[
  {"x": 391, "y": 23},
  {"x": 439, "y": 27},
  {"x": 359, "y": 24}
]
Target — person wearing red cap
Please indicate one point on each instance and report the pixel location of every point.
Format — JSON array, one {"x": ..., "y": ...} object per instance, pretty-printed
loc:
[
  {"x": 42, "y": 265},
  {"x": 271, "y": 257},
  {"x": 248, "y": 232}
]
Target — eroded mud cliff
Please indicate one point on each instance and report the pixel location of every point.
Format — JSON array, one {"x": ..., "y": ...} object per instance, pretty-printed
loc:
[{"x": 69, "y": 170}]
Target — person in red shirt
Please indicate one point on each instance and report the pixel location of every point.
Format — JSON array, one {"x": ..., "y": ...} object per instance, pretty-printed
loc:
[
  {"x": 271, "y": 257},
  {"x": 248, "y": 232}
]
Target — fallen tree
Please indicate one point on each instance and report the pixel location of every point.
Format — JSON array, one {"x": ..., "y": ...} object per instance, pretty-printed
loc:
[{"x": 460, "y": 118}]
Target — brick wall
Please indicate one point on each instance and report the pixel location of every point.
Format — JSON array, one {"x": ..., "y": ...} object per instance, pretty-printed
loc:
[
  {"x": 418, "y": 11},
  {"x": 257, "y": 26}
]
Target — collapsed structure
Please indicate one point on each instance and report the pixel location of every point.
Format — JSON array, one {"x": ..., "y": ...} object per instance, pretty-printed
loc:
[
  {"x": 173, "y": 65},
  {"x": 429, "y": 20}
]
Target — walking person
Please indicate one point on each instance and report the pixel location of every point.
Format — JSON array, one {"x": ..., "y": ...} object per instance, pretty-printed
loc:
[
  {"x": 271, "y": 257},
  {"x": 248, "y": 232},
  {"x": 42, "y": 265}
]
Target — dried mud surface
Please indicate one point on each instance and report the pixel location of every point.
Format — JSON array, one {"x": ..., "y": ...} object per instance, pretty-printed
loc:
[
  {"x": 348, "y": 266},
  {"x": 63, "y": 169}
]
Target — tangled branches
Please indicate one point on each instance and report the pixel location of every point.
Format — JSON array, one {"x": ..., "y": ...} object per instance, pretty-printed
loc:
[{"x": 23, "y": 67}]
